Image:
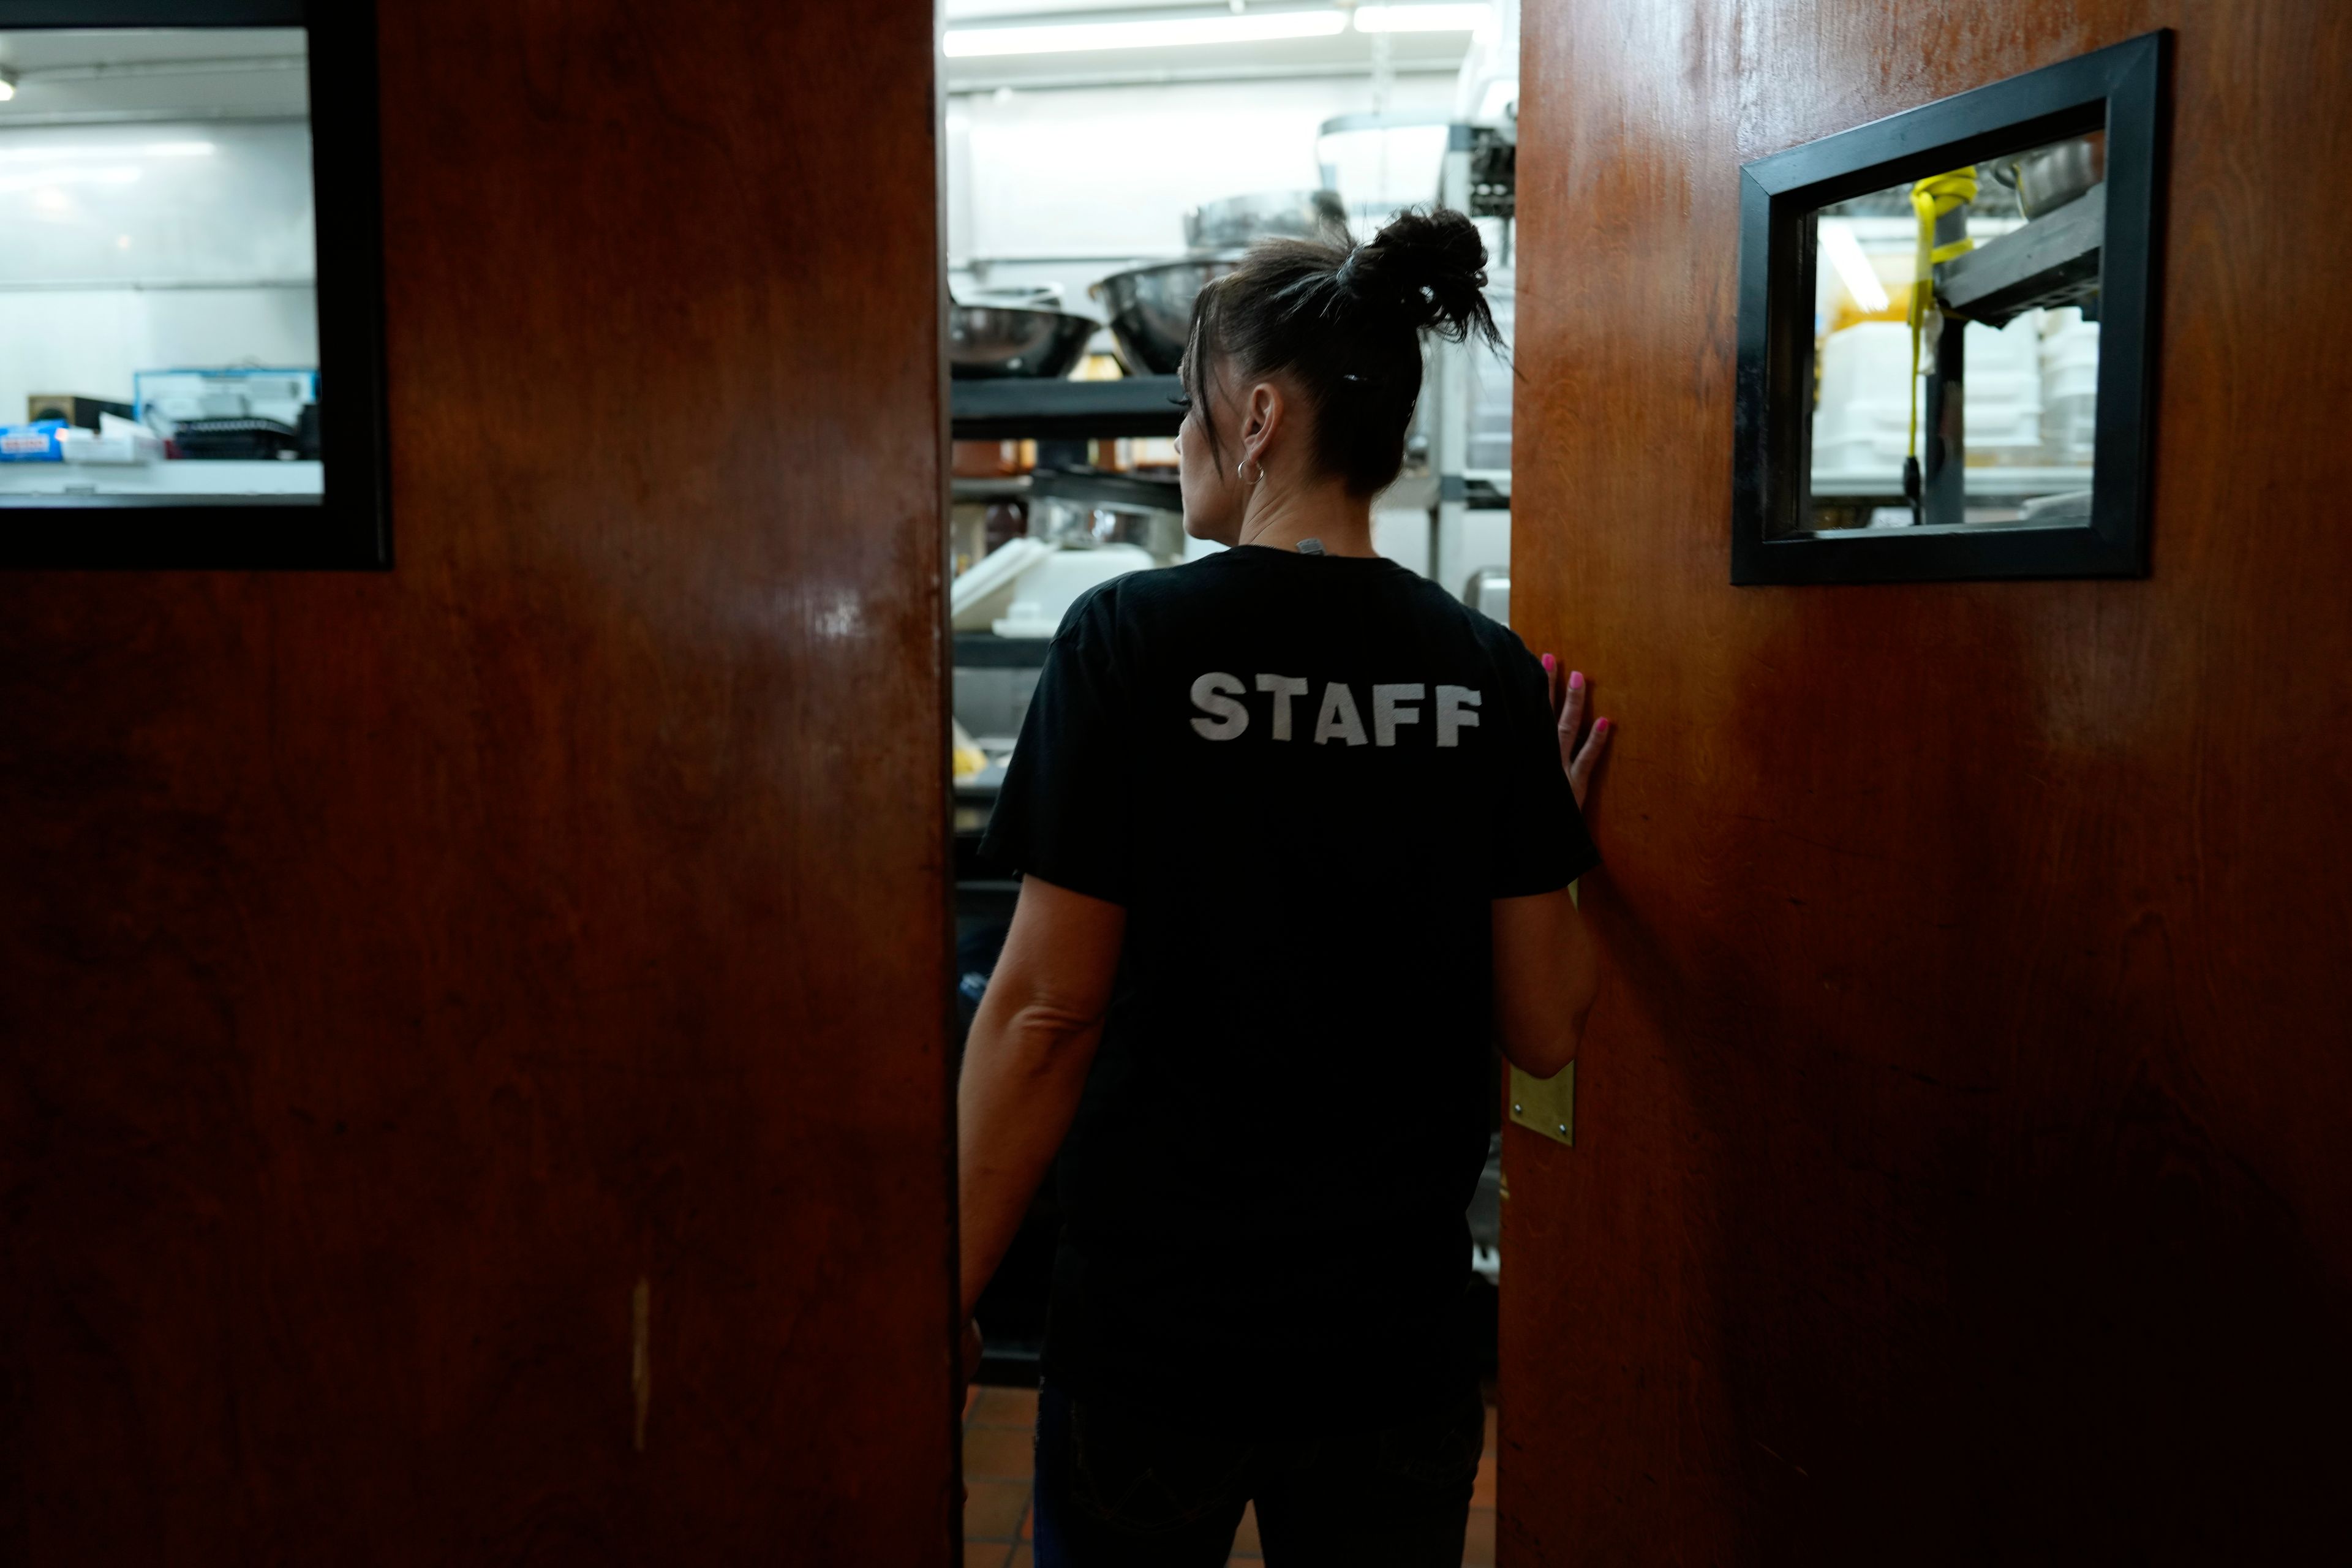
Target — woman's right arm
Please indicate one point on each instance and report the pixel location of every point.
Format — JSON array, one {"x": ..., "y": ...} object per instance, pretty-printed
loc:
[{"x": 1547, "y": 968}]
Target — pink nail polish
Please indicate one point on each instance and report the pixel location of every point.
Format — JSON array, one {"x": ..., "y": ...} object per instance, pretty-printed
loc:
[
  {"x": 1576, "y": 681},
  {"x": 1547, "y": 664},
  {"x": 1599, "y": 725}
]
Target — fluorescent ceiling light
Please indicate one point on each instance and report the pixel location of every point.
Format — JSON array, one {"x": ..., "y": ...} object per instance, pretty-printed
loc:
[
  {"x": 1070, "y": 38},
  {"x": 1454, "y": 18},
  {"x": 91, "y": 154},
  {"x": 1844, "y": 252},
  {"x": 51, "y": 181}
]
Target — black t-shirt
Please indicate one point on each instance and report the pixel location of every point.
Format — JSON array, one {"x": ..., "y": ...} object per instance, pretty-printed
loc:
[{"x": 1305, "y": 778}]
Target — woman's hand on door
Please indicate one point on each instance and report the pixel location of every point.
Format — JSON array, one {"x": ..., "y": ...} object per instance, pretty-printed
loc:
[{"x": 1571, "y": 696}]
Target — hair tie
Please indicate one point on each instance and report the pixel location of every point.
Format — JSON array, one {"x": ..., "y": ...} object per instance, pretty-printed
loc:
[{"x": 1345, "y": 277}]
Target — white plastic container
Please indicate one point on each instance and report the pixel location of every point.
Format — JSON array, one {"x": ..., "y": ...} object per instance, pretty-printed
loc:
[
  {"x": 2004, "y": 392},
  {"x": 1049, "y": 587},
  {"x": 986, "y": 588},
  {"x": 1863, "y": 423},
  {"x": 2070, "y": 388},
  {"x": 116, "y": 440},
  {"x": 1489, "y": 385}
]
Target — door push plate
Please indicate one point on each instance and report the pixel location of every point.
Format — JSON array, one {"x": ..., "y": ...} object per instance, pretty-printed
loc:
[
  {"x": 1545, "y": 1105},
  {"x": 1548, "y": 1105}
]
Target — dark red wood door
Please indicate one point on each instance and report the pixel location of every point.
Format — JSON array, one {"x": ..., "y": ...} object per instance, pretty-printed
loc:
[
  {"x": 419, "y": 990},
  {"x": 1958, "y": 1175}
]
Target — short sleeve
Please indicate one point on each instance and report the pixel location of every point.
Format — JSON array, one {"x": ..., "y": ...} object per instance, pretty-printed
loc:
[
  {"x": 1539, "y": 843},
  {"x": 1060, "y": 814}
]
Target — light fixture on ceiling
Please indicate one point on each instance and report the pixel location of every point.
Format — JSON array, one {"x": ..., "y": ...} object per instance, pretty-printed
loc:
[
  {"x": 53, "y": 153},
  {"x": 8, "y": 84},
  {"x": 1444, "y": 18},
  {"x": 1853, "y": 268},
  {"x": 1071, "y": 38}
]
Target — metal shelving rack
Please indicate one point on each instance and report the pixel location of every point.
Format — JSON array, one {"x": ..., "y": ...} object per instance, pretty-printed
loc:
[
  {"x": 1028, "y": 409},
  {"x": 1014, "y": 410},
  {"x": 1478, "y": 176}
]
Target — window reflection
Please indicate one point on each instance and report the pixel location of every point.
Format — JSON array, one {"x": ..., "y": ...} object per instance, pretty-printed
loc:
[
  {"x": 1976, "y": 407},
  {"x": 159, "y": 335}
]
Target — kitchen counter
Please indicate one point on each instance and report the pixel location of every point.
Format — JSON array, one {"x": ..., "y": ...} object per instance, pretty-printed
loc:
[{"x": 186, "y": 480}]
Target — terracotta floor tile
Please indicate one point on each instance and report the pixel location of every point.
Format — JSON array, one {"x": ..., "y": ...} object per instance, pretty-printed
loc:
[
  {"x": 1478, "y": 1546},
  {"x": 996, "y": 1453},
  {"x": 993, "y": 1510},
  {"x": 1020, "y": 1557},
  {"x": 985, "y": 1553},
  {"x": 1482, "y": 1491},
  {"x": 1005, "y": 1407}
]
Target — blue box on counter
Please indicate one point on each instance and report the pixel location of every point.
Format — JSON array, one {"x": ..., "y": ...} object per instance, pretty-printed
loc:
[{"x": 32, "y": 443}]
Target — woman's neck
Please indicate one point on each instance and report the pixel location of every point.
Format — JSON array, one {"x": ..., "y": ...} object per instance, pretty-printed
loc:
[{"x": 1279, "y": 519}]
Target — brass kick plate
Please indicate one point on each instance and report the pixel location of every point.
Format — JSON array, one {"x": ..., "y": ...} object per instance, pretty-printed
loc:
[
  {"x": 1545, "y": 1105},
  {"x": 1548, "y": 1105}
]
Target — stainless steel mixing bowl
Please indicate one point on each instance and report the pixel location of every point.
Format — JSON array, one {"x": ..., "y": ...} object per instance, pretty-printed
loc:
[
  {"x": 1265, "y": 215},
  {"x": 1150, "y": 308},
  {"x": 988, "y": 340},
  {"x": 2049, "y": 177}
]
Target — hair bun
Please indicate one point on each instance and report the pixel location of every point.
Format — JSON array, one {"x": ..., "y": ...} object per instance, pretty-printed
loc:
[{"x": 1430, "y": 268}]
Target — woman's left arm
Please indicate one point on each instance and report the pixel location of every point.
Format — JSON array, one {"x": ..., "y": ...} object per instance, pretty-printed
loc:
[{"x": 1026, "y": 1062}]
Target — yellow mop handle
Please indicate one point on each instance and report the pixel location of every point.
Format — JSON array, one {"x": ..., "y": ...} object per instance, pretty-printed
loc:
[{"x": 1932, "y": 198}]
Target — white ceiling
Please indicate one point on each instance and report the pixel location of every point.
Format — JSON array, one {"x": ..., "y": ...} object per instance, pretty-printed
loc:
[
  {"x": 75, "y": 77},
  {"x": 70, "y": 76},
  {"x": 1348, "y": 52}
]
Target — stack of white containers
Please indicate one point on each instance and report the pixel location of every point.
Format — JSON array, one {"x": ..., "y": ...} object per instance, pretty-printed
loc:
[
  {"x": 2004, "y": 392},
  {"x": 1489, "y": 392},
  {"x": 2070, "y": 386},
  {"x": 1864, "y": 420},
  {"x": 2032, "y": 390}
]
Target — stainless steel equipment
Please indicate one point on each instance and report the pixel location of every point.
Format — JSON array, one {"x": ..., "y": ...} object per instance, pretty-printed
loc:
[
  {"x": 1031, "y": 295},
  {"x": 1086, "y": 507},
  {"x": 1150, "y": 308},
  {"x": 2049, "y": 177},
  {"x": 1489, "y": 593},
  {"x": 1265, "y": 215},
  {"x": 985, "y": 341}
]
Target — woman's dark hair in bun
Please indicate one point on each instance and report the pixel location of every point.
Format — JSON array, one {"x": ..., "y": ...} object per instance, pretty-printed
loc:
[{"x": 1344, "y": 321}]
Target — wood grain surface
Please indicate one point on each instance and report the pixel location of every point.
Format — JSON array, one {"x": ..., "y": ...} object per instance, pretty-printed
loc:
[
  {"x": 1960, "y": 1174},
  {"x": 471, "y": 1038}
]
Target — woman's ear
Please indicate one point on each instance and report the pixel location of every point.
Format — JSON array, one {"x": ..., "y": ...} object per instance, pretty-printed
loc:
[{"x": 1260, "y": 418}]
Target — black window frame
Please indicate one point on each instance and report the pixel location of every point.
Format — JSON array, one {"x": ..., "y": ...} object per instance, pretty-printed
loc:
[
  {"x": 2123, "y": 89},
  {"x": 349, "y": 527}
]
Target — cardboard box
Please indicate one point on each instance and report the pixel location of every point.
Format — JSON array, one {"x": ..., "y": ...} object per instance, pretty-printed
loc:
[
  {"x": 32, "y": 443},
  {"x": 73, "y": 408}
]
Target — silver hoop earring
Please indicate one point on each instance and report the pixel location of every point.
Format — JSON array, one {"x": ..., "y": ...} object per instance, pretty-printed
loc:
[{"x": 1243, "y": 476}]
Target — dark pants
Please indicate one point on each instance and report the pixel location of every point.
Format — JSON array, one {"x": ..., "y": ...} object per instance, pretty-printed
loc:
[{"x": 1116, "y": 1489}]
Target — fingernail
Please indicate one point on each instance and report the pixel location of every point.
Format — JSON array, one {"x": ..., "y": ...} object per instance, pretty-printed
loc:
[
  {"x": 1549, "y": 664},
  {"x": 1599, "y": 725},
  {"x": 1576, "y": 681}
]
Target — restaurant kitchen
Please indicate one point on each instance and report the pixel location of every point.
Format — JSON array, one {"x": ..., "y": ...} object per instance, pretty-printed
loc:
[{"x": 1104, "y": 162}]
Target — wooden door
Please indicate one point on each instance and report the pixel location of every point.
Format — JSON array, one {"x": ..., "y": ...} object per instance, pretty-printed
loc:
[
  {"x": 1959, "y": 1173},
  {"x": 474, "y": 1084}
]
